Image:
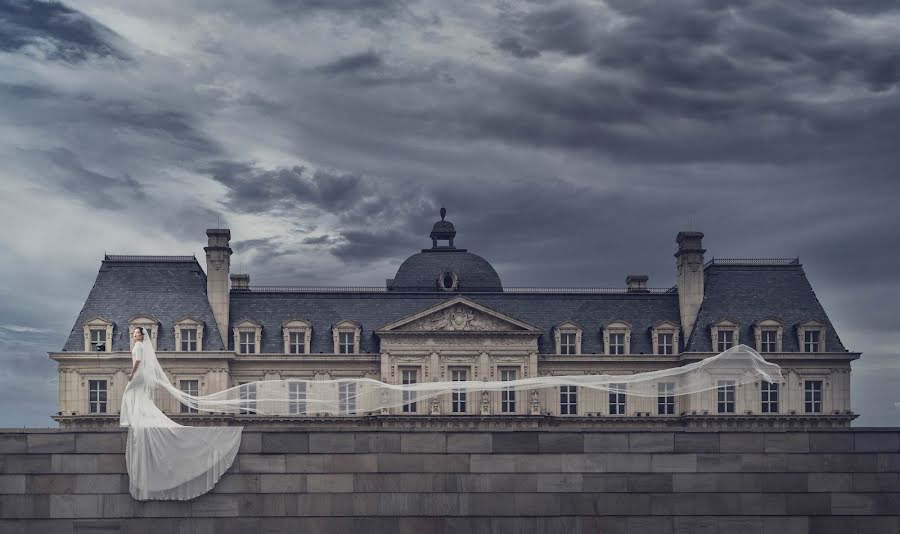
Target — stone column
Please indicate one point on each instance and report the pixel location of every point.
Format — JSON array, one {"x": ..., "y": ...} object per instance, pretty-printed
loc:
[{"x": 218, "y": 264}]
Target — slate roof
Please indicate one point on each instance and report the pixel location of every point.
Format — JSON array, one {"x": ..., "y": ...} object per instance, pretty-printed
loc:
[
  {"x": 747, "y": 293},
  {"x": 421, "y": 271},
  {"x": 165, "y": 287},
  {"x": 373, "y": 309}
]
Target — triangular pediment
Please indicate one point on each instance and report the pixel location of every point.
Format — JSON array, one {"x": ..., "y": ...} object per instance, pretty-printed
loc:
[{"x": 458, "y": 315}]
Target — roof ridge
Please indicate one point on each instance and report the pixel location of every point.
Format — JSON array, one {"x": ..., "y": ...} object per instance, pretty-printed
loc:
[{"x": 155, "y": 258}]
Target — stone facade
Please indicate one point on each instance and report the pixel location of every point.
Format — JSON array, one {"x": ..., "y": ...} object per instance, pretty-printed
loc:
[{"x": 326, "y": 477}]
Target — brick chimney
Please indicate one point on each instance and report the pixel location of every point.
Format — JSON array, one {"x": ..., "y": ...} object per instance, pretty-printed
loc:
[
  {"x": 240, "y": 282},
  {"x": 636, "y": 283},
  {"x": 689, "y": 259},
  {"x": 218, "y": 263}
]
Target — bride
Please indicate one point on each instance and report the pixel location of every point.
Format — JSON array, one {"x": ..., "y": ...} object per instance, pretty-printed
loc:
[{"x": 166, "y": 460}]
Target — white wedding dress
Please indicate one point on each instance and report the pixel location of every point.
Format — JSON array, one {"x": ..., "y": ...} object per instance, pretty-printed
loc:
[{"x": 166, "y": 460}]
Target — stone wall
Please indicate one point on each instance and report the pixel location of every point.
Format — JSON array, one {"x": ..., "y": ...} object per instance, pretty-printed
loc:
[{"x": 373, "y": 481}]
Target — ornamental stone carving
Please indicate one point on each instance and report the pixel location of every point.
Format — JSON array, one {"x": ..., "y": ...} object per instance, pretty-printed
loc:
[{"x": 458, "y": 318}]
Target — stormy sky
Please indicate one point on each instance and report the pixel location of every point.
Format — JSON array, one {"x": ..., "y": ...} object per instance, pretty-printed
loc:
[{"x": 569, "y": 141}]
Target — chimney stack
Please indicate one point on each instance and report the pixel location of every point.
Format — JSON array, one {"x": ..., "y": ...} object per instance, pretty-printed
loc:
[
  {"x": 218, "y": 263},
  {"x": 689, "y": 259},
  {"x": 636, "y": 283},
  {"x": 240, "y": 282}
]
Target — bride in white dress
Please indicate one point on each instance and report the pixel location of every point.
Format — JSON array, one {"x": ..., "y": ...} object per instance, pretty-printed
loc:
[{"x": 166, "y": 460}]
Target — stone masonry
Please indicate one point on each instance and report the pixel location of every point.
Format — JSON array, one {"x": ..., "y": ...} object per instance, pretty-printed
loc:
[{"x": 415, "y": 481}]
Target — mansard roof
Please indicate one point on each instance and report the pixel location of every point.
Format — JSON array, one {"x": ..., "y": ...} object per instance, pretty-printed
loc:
[
  {"x": 746, "y": 292},
  {"x": 167, "y": 288}
]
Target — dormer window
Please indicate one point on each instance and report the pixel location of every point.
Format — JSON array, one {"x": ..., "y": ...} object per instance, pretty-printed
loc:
[
  {"x": 149, "y": 323},
  {"x": 345, "y": 335},
  {"x": 665, "y": 337},
  {"x": 189, "y": 334},
  {"x": 98, "y": 335},
  {"x": 768, "y": 334},
  {"x": 617, "y": 338},
  {"x": 724, "y": 335},
  {"x": 297, "y": 336},
  {"x": 567, "y": 336},
  {"x": 811, "y": 336},
  {"x": 247, "y": 337}
]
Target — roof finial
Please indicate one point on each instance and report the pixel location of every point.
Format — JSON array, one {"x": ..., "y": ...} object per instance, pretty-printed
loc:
[{"x": 443, "y": 212}]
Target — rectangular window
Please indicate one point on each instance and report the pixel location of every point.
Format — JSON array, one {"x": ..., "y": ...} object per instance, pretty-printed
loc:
[
  {"x": 768, "y": 340},
  {"x": 617, "y": 399},
  {"x": 568, "y": 400},
  {"x": 812, "y": 396},
  {"x": 188, "y": 339},
  {"x": 297, "y": 398},
  {"x": 98, "y": 340},
  {"x": 725, "y": 395},
  {"x": 665, "y": 398},
  {"x": 191, "y": 387},
  {"x": 97, "y": 396},
  {"x": 346, "y": 342},
  {"x": 617, "y": 343},
  {"x": 567, "y": 343},
  {"x": 726, "y": 340},
  {"x": 769, "y": 392},
  {"x": 458, "y": 397},
  {"x": 811, "y": 341},
  {"x": 347, "y": 398},
  {"x": 409, "y": 377},
  {"x": 297, "y": 343},
  {"x": 248, "y": 342},
  {"x": 666, "y": 343},
  {"x": 508, "y": 396},
  {"x": 247, "y": 394}
]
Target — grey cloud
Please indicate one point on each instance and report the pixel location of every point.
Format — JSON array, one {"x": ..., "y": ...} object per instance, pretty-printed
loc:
[
  {"x": 95, "y": 189},
  {"x": 352, "y": 64}
]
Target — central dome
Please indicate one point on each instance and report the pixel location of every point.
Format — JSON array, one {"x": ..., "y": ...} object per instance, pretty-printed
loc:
[{"x": 445, "y": 267}]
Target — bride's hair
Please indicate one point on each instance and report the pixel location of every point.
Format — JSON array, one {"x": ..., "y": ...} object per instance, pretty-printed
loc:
[{"x": 141, "y": 330}]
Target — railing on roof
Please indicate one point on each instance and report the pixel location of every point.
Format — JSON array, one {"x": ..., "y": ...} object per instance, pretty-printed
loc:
[
  {"x": 432, "y": 289},
  {"x": 134, "y": 257},
  {"x": 753, "y": 261}
]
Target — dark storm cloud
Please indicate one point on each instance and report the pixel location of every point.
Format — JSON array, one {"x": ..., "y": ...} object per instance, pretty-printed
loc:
[
  {"x": 94, "y": 189},
  {"x": 351, "y": 64},
  {"x": 73, "y": 36}
]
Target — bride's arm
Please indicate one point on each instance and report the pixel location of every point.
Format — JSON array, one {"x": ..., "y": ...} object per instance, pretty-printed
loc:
[{"x": 134, "y": 369}]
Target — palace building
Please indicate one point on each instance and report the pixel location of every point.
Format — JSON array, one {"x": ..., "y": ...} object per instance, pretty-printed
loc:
[{"x": 446, "y": 315}]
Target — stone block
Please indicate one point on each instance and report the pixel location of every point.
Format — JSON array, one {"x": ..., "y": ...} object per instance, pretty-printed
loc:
[
  {"x": 889, "y": 463},
  {"x": 877, "y": 441},
  {"x": 716, "y": 482},
  {"x": 55, "y": 442},
  {"x": 617, "y": 504},
  {"x": 787, "y": 442},
  {"x": 560, "y": 442},
  {"x": 491, "y": 463},
  {"x": 686, "y": 442},
  {"x": 865, "y": 504},
  {"x": 352, "y": 463},
  {"x": 698, "y": 525},
  {"x": 12, "y": 484},
  {"x": 584, "y": 463},
  {"x": 785, "y": 482},
  {"x": 100, "y": 442},
  {"x": 786, "y": 525},
  {"x": 74, "y": 506},
  {"x": 605, "y": 482},
  {"x": 720, "y": 463},
  {"x": 675, "y": 504},
  {"x": 559, "y": 482},
  {"x": 512, "y": 482},
  {"x": 251, "y": 443},
  {"x": 599, "y": 524},
  {"x": 651, "y": 442},
  {"x": 649, "y": 483},
  {"x": 283, "y": 483},
  {"x": 717, "y": 503},
  {"x": 490, "y": 504},
  {"x": 739, "y": 442},
  {"x": 47, "y": 484},
  {"x": 111, "y": 463},
  {"x": 329, "y": 483},
  {"x": 515, "y": 442},
  {"x": 469, "y": 442},
  {"x": 372, "y": 442},
  {"x": 537, "y": 463},
  {"x": 331, "y": 442},
  {"x": 74, "y": 463},
  {"x": 24, "y": 506},
  {"x": 307, "y": 463},
  {"x": 808, "y": 503},
  {"x": 286, "y": 442},
  {"x": 855, "y": 525},
  {"x": 423, "y": 442},
  {"x": 763, "y": 504},
  {"x": 876, "y": 482},
  {"x": 530, "y": 504},
  {"x": 850, "y": 463},
  {"x": 673, "y": 463},
  {"x": 830, "y": 482},
  {"x": 13, "y": 444},
  {"x": 261, "y": 463},
  {"x": 426, "y": 463},
  {"x": 240, "y": 483},
  {"x": 741, "y": 525},
  {"x": 824, "y": 442},
  {"x": 603, "y": 442},
  {"x": 656, "y": 525},
  {"x": 215, "y": 505},
  {"x": 628, "y": 463}
]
